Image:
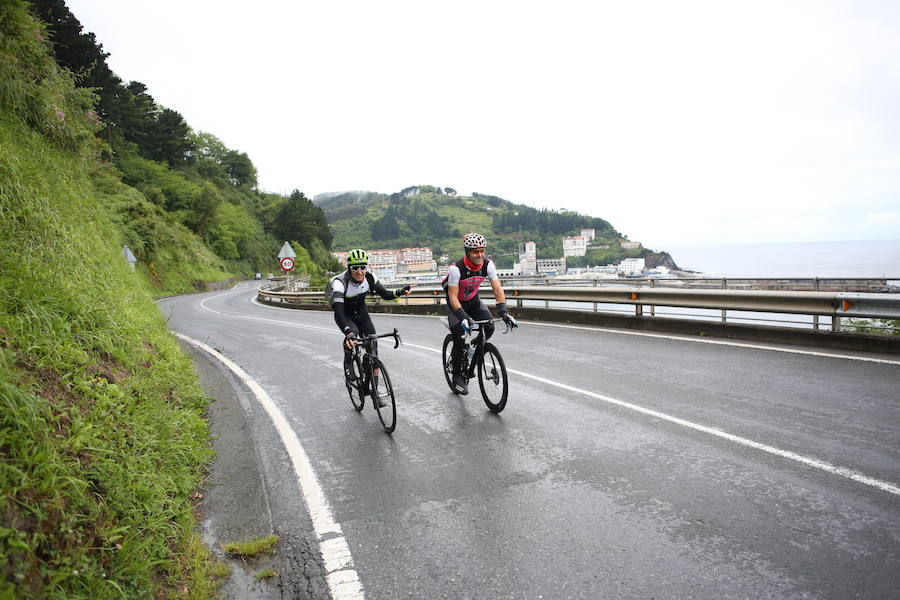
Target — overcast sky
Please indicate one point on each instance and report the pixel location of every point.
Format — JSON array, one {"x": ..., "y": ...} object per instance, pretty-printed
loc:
[{"x": 680, "y": 122}]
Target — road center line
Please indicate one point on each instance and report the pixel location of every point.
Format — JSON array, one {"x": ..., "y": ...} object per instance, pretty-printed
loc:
[
  {"x": 343, "y": 581},
  {"x": 805, "y": 460}
]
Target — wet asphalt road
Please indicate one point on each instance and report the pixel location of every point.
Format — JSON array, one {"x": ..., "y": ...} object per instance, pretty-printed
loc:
[{"x": 564, "y": 494}]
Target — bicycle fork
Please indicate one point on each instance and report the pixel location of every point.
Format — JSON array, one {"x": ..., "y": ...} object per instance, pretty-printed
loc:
[{"x": 370, "y": 375}]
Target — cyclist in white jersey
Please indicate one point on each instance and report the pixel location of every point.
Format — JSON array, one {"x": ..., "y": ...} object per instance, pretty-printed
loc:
[{"x": 463, "y": 304}]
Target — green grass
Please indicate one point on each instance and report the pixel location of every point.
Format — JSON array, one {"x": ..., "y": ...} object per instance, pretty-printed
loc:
[
  {"x": 251, "y": 548},
  {"x": 102, "y": 437}
]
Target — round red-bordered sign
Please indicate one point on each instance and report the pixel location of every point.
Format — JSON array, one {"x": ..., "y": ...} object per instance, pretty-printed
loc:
[{"x": 287, "y": 263}]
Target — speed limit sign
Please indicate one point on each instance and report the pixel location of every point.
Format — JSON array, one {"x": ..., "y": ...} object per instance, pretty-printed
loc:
[{"x": 287, "y": 263}]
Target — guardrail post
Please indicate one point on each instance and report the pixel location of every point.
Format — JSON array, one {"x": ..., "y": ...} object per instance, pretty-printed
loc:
[
  {"x": 724, "y": 287},
  {"x": 836, "y": 323},
  {"x": 639, "y": 310},
  {"x": 816, "y": 317},
  {"x": 653, "y": 306}
]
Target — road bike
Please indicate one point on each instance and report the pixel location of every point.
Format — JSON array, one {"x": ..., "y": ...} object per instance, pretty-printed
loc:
[
  {"x": 484, "y": 358},
  {"x": 372, "y": 379}
]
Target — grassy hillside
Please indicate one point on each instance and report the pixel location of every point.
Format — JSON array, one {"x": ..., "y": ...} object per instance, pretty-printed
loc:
[
  {"x": 102, "y": 441},
  {"x": 437, "y": 218},
  {"x": 186, "y": 204},
  {"x": 172, "y": 259}
]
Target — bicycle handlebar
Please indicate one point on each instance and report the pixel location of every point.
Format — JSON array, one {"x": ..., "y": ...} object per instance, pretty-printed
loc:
[
  {"x": 364, "y": 339},
  {"x": 509, "y": 326}
]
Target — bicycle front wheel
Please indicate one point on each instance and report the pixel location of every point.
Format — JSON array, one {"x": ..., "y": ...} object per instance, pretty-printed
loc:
[
  {"x": 355, "y": 388},
  {"x": 381, "y": 385},
  {"x": 448, "y": 364},
  {"x": 492, "y": 379}
]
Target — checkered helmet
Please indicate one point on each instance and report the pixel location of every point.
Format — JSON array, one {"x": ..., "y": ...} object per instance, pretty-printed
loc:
[{"x": 474, "y": 240}]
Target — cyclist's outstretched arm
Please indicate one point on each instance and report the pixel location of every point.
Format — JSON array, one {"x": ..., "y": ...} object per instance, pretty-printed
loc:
[
  {"x": 382, "y": 291},
  {"x": 390, "y": 294},
  {"x": 499, "y": 294}
]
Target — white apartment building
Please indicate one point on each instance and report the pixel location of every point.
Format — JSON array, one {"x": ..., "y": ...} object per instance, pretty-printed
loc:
[
  {"x": 631, "y": 266},
  {"x": 527, "y": 264},
  {"x": 417, "y": 268},
  {"x": 574, "y": 245},
  {"x": 589, "y": 235},
  {"x": 547, "y": 266},
  {"x": 384, "y": 258},
  {"x": 385, "y": 272},
  {"x": 630, "y": 245},
  {"x": 415, "y": 255}
]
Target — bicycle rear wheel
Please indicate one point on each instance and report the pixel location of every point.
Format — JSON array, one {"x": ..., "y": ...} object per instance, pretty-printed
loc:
[
  {"x": 355, "y": 388},
  {"x": 492, "y": 379},
  {"x": 381, "y": 385}
]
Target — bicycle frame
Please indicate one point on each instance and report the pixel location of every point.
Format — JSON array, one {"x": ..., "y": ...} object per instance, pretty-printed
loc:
[
  {"x": 362, "y": 348},
  {"x": 373, "y": 380},
  {"x": 492, "y": 375},
  {"x": 477, "y": 333}
]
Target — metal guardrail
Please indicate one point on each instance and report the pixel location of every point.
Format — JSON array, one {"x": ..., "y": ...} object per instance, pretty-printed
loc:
[
  {"x": 643, "y": 301},
  {"x": 816, "y": 284}
]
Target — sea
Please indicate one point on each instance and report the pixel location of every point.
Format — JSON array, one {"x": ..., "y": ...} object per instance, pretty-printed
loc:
[
  {"x": 872, "y": 258},
  {"x": 875, "y": 259}
]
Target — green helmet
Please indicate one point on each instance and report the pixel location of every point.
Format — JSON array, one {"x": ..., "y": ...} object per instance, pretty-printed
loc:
[{"x": 357, "y": 257}]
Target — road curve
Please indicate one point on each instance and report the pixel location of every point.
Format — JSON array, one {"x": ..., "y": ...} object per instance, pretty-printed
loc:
[{"x": 624, "y": 466}]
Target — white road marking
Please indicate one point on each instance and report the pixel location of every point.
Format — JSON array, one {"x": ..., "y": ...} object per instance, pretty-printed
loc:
[
  {"x": 343, "y": 581},
  {"x": 805, "y": 460}
]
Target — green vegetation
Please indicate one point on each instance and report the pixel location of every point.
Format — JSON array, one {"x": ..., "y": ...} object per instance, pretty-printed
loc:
[
  {"x": 437, "y": 218},
  {"x": 187, "y": 205},
  {"x": 252, "y": 548},
  {"x": 102, "y": 439},
  {"x": 877, "y": 326},
  {"x": 265, "y": 574}
]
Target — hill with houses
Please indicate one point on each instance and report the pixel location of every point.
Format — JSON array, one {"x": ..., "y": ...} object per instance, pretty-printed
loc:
[{"x": 402, "y": 227}]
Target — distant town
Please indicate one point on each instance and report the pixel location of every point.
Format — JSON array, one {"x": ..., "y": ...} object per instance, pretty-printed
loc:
[{"x": 419, "y": 264}]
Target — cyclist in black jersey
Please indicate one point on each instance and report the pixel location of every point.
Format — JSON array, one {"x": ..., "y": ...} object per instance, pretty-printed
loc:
[
  {"x": 350, "y": 289},
  {"x": 464, "y": 305}
]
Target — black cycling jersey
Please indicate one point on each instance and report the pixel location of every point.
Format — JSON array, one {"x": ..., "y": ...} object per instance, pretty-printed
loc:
[{"x": 352, "y": 301}]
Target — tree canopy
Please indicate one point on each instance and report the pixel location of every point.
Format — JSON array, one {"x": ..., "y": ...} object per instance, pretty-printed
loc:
[{"x": 193, "y": 177}]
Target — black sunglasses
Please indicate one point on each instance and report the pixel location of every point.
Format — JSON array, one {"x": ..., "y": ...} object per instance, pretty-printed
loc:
[{"x": 358, "y": 267}]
